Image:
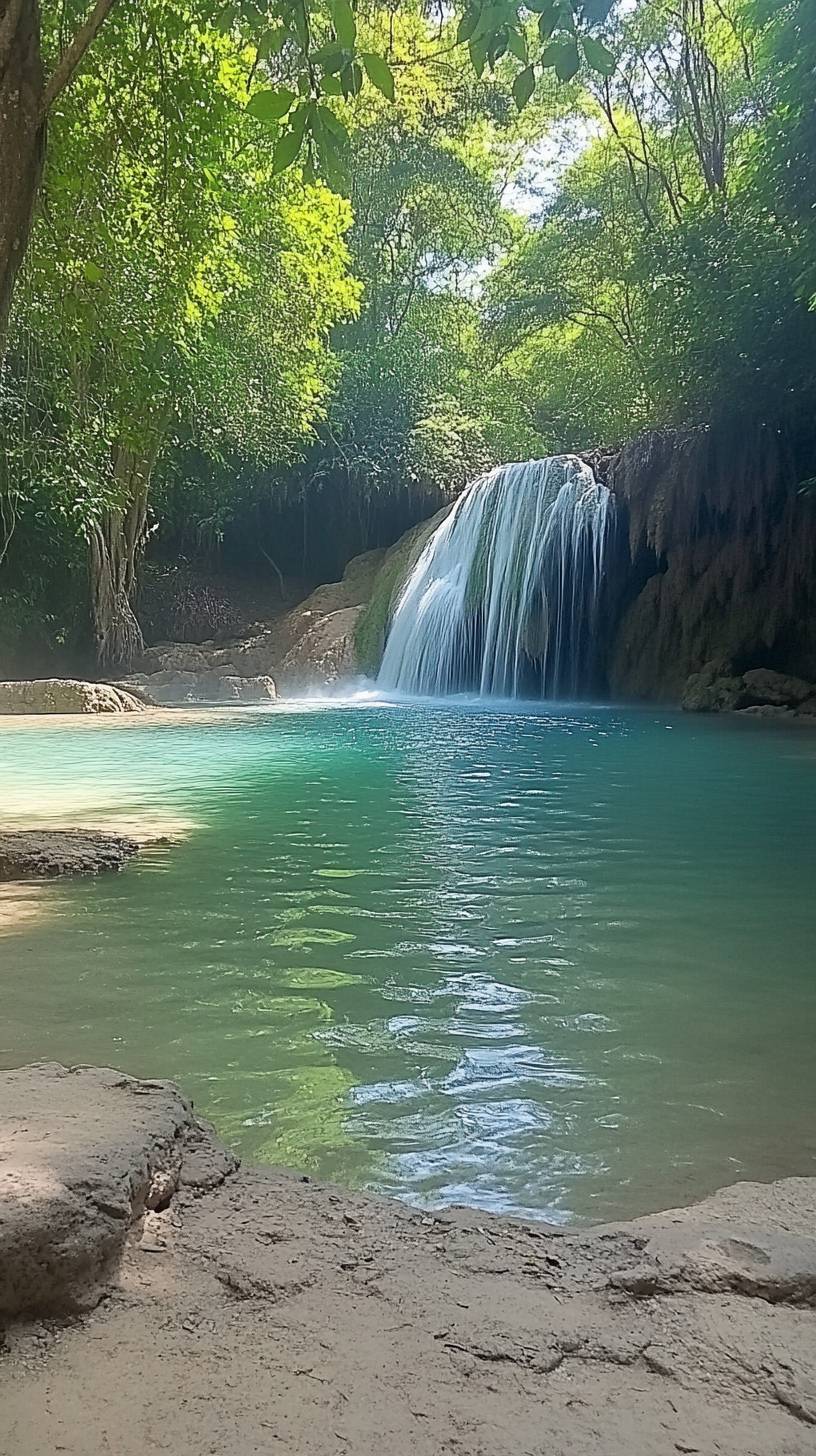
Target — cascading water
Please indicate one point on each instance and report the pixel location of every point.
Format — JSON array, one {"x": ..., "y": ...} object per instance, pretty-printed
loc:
[{"x": 504, "y": 598}]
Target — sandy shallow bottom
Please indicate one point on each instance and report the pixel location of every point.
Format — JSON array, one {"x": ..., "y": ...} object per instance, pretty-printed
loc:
[{"x": 269, "y": 1313}]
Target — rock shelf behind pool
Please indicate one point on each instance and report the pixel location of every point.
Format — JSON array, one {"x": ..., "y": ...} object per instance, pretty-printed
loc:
[
  {"x": 66, "y": 695},
  {"x": 46, "y": 853}
]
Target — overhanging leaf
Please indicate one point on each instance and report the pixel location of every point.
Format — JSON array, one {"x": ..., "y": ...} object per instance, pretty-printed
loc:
[
  {"x": 286, "y": 151},
  {"x": 270, "y": 105},
  {"x": 563, "y": 57},
  {"x": 517, "y": 45},
  {"x": 598, "y": 56},
  {"x": 379, "y": 74},
  {"x": 467, "y": 24},
  {"x": 523, "y": 87},
  {"x": 345, "y": 26},
  {"x": 478, "y": 55}
]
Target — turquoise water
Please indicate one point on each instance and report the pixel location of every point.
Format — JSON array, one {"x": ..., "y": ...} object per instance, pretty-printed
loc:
[{"x": 558, "y": 962}]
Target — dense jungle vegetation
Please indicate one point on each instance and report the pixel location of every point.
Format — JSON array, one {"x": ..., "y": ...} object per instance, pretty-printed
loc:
[{"x": 277, "y": 284}]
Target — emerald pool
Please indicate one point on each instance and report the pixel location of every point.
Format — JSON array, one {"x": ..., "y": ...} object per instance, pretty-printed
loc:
[{"x": 556, "y": 961}]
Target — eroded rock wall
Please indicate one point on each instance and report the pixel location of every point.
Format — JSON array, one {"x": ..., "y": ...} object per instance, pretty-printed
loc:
[{"x": 722, "y": 557}]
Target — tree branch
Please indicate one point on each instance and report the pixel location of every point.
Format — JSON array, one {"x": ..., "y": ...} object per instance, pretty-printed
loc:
[{"x": 74, "y": 52}]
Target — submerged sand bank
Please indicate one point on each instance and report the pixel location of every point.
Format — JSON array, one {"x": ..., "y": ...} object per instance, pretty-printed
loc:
[{"x": 248, "y": 1311}]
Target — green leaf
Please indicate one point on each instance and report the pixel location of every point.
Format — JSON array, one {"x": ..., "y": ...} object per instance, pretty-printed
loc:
[
  {"x": 598, "y": 56},
  {"x": 93, "y": 272},
  {"x": 523, "y": 87},
  {"x": 300, "y": 117},
  {"x": 596, "y": 11},
  {"x": 272, "y": 43},
  {"x": 568, "y": 62},
  {"x": 331, "y": 124},
  {"x": 345, "y": 26},
  {"x": 352, "y": 80},
  {"x": 467, "y": 24},
  {"x": 497, "y": 45},
  {"x": 379, "y": 74},
  {"x": 270, "y": 105},
  {"x": 547, "y": 21},
  {"x": 564, "y": 57},
  {"x": 517, "y": 46},
  {"x": 331, "y": 85},
  {"x": 226, "y": 19},
  {"x": 286, "y": 151},
  {"x": 478, "y": 55}
]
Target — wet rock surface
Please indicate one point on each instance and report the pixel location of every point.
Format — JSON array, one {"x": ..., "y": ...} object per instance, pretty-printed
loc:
[
  {"x": 759, "y": 692},
  {"x": 46, "y": 853},
  {"x": 66, "y": 695},
  {"x": 251, "y": 1310}
]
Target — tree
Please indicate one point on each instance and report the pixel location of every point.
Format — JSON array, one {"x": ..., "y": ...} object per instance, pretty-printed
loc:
[
  {"x": 301, "y": 54},
  {"x": 174, "y": 279}
]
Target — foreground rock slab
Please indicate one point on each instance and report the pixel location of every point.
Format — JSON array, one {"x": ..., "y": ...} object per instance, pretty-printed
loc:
[
  {"x": 66, "y": 695},
  {"x": 273, "y": 1314},
  {"x": 83, "y": 1154},
  {"x": 27, "y": 854}
]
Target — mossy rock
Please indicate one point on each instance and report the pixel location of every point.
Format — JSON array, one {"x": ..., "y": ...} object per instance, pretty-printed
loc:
[{"x": 372, "y": 626}]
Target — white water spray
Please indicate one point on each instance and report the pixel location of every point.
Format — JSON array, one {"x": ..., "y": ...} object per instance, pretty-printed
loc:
[{"x": 504, "y": 598}]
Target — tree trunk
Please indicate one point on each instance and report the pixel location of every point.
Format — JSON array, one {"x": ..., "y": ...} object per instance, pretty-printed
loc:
[
  {"x": 22, "y": 138},
  {"x": 114, "y": 547}
]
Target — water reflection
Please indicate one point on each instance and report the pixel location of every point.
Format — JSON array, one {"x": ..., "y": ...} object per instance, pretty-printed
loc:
[{"x": 528, "y": 960}]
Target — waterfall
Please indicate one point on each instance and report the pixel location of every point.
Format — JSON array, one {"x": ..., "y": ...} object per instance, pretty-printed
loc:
[{"x": 504, "y": 599}]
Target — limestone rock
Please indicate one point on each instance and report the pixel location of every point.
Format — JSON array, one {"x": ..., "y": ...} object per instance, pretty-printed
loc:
[
  {"x": 44, "y": 853},
  {"x": 84, "y": 1153},
  {"x": 766, "y": 710},
  {"x": 172, "y": 686},
  {"x": 711, "y": 691},
  {"x": 66, "y": 695},
  {"x": 326, "y": 650},
  {"x": 777, "y": 689}
]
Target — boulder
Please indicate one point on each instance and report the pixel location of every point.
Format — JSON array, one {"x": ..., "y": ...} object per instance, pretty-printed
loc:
[
  {"x": 775, "y": 688},
  {"x": 66, "y": 695},
  {"x": 44, "y": 853},
  {"x": 712, "y": 690},
  {"x": 171, "y": 687},
  {"x": 765, "y": 710},
  {"x": 326, "y": 650},
  {"x": 84, "y": 1153}
]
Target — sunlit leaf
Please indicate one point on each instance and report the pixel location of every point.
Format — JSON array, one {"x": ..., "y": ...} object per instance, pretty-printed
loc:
[
  {"x": 93, "y": 273},
  {"x": 271, "y": 105}
]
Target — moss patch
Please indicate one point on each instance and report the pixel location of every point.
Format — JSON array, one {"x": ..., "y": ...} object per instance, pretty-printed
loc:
[{"x": 372, "y": 624}]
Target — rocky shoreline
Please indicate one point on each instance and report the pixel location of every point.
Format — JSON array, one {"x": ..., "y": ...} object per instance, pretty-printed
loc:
[{"x": 159, "y": 1297}]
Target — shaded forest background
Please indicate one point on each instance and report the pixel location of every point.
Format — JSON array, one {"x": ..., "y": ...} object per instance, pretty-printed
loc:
[{"x": 221, "y": 371}]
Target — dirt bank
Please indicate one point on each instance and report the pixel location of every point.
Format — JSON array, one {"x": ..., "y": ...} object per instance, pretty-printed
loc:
[{"x": 251, "y": 1311}]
